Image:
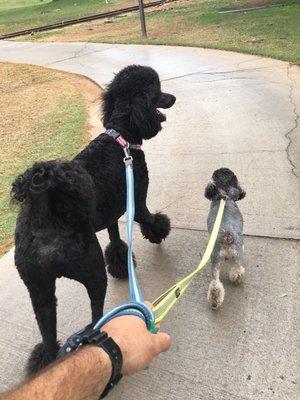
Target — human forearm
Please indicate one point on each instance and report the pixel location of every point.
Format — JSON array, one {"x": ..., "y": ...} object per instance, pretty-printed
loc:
[{"x": 83, "y": 375}]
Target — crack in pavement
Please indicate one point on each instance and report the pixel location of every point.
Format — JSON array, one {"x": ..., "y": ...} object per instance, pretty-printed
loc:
[
  {"x": 295, "y": 125},
  {"x": 236, "y": 78},
  {"x": 184, "y": 228},
  {"x": 173, "y": 202},
  {"x": 222, "y": 153},
  {"x": 77, "y": 55},
  {"x": 244, "y": 234},
  {"x": 206, "y": 72},
  {"x": 249, "y": 60}
]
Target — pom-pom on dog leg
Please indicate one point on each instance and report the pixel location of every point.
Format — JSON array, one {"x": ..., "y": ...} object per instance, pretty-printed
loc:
[
  {"x": 42, "y": 294},
  {"x": 116, "y": 260},
  {"x": 237, "y": 273},
  {"x": 40, "y": 357},
  {"x": 216, "y": 291},
  {"x": 157, "y": 229},
  {"x": 116, "y": 254}
]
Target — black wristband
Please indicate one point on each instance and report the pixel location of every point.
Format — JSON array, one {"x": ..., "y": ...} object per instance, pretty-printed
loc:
[
  {"x": 115, "y": 355},
  {"x": 90, "y": 336}
]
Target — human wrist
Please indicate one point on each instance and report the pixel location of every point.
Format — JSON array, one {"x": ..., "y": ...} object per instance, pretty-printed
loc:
[
  {"x": 98, "y": 359},
  {"x": 116, "y": 336},
  {"x": 130, "y": 337}
]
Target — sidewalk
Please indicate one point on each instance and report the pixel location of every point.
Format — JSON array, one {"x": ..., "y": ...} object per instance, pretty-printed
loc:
[{"x": 232, "y": 110}]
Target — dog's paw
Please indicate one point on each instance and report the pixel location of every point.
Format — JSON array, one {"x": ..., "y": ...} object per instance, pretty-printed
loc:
[
  {"x": 237, "y": 274},
  {"x": 116, "y": 260},
  {"x": 40, "y": 358},
  {"x": 215, "y": 294},
  {"x": 158, "y": 229}
]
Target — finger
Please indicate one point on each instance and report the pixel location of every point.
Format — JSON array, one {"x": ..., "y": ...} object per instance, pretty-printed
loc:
[{"x": 162, "y": 342}]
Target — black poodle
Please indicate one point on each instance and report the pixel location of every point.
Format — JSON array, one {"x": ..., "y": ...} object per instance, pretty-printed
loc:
[{"x": 63, "y": 204}]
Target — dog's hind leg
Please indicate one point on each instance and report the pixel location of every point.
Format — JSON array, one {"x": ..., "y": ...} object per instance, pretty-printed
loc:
[
  {"x": 42, "y": 294},
  {"x": 116, "y": 254},
  {"x": 96, "y": 287},
  {"x": 236, "y": 272},
  {"x": 90, "y": 271},
  {"x": 216, "y": 292}
]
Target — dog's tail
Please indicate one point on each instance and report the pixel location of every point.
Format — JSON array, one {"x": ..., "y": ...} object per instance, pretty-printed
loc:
[
  {"x": 62, "y": 192},
  {"x": 226, "y": 238}
]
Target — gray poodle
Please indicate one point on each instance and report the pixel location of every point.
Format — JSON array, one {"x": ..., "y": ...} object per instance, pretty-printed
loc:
[{"x": 229, "y": 245}]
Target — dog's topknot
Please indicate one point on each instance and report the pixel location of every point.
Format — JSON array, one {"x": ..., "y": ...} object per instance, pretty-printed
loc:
[
  {"x": 132, "y": 81},
  {"x": 224, "y": 177},
  {"x": 224, "y": 185}
]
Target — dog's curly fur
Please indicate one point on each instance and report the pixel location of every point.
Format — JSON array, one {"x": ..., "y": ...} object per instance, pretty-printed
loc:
[
  {"x": 63, "y": 204},
  {"x": 229, "y": 244}
]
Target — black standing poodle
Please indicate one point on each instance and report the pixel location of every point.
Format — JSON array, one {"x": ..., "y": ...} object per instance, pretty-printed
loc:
[{"x": 63, "y": 204}]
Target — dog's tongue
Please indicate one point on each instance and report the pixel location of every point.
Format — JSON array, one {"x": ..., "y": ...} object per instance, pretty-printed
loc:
[{"x": 161, "y": 115}]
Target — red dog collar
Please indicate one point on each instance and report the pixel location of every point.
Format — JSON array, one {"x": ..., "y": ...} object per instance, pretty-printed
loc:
[{"x": 121, "y": 141}]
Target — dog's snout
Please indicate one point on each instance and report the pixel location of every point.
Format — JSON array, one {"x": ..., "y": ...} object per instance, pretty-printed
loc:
[{"x": 166, "y": 100}]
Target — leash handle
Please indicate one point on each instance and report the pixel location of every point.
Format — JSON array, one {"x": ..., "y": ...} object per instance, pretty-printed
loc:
[{"x": 140, "y": 310}]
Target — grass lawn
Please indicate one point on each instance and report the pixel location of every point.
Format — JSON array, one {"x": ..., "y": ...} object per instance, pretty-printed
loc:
[
  {"x": 9, "y": 4},
  {"x": 272, "y": 32},
  {"x": 43, "y": 116},
  {"x": 16, "y": 15}
]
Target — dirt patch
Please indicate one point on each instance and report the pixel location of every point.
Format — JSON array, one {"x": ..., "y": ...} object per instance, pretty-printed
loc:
[{"x": 6, "y": 246}]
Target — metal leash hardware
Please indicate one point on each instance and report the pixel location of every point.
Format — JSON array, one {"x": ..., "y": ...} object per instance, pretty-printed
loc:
[
  {"x": 128, "y": 158},
  {"x": 85, "y": 335}
]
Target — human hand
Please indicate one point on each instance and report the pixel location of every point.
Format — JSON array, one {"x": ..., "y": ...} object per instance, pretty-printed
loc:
[{"x": 139, "y": 347}]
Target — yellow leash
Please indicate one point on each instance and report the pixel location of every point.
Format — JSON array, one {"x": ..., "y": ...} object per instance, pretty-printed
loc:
[{"x": 163, "y": 304}]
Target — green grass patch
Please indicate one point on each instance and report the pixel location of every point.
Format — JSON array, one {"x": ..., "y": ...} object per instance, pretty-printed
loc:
[
  {"x": 272, "y": 32},
  {"x": 43, "y": 117},
  {"x": 11, "y": 4},
  {"x": 18, "y": 15}
]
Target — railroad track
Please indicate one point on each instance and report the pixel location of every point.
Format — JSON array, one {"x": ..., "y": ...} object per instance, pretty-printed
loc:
[{"x": 62, "y": 24}]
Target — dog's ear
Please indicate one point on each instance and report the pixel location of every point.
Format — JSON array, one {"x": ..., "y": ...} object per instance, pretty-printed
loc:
[
  {"x": 242, "y": 193},
  {"x": 211, "y": 191},
  {"x": 139, "y": 117},
  {"x": 107, "y": 106},
  {"x": 236, "y": 193}
]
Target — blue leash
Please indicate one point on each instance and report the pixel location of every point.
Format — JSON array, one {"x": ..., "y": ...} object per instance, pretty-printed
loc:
[{"x": 136, "y": 307}]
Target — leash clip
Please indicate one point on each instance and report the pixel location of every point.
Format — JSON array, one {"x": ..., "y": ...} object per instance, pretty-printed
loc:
[
  {"x": 128, "y": 158},
  {"x": 72, "y": 343}
]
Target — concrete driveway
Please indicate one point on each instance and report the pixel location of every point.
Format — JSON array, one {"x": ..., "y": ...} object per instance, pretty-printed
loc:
[{"x": 232, "y": 110}]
